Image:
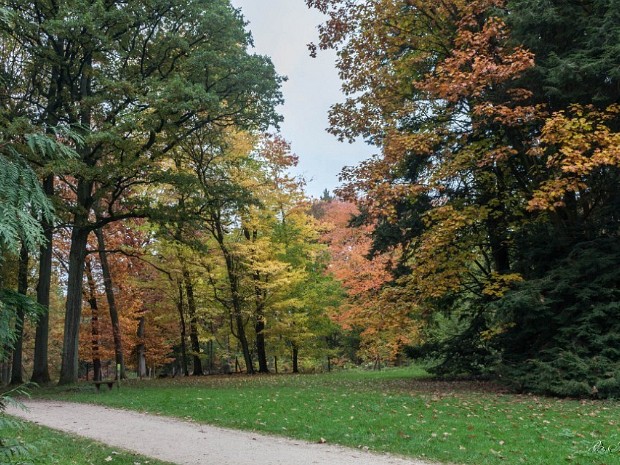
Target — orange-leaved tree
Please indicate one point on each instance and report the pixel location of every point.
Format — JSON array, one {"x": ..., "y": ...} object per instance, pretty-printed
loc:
[{"x": 366, "y": 276}]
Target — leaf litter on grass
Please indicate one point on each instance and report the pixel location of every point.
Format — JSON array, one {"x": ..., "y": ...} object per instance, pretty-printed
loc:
[{"x": 458, "y": 422}]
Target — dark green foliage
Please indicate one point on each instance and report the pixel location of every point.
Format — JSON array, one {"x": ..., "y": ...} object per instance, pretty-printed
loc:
[
  {"x": 465, "y": 354},
  {"x": 577, "y": 48},
  {"x": 455, "y": 345},
  {"x": 23, "y": 203},
  {"x": 564, "y": 327},
  {"x": 11, "y": 303}
]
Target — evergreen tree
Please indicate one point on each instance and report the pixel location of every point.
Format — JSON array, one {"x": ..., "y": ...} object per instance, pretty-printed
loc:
[{"x": 576, "y": 47}]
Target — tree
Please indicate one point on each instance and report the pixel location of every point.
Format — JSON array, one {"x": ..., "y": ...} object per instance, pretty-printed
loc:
[
  {"x": 109, "y": 292},
  {"x": 365, "y": 275},
  {"x": 40, "y": 371},
  {"x": 235, "y": 186},
  {"x": 148, "y": 315}
]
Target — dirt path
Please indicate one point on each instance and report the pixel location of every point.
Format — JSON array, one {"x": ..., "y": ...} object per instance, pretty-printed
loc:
[{"x": 186, "y": 443}]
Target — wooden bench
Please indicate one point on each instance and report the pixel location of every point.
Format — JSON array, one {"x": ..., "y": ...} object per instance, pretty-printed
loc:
[{"x": 108, "y": 382}]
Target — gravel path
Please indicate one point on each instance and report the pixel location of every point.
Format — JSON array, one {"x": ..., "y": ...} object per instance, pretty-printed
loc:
[{"x": 187, "y": 443}]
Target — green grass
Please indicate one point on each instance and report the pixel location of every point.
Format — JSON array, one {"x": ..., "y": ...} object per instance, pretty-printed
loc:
[
  {"x": 48, "y": 447},
  {"x": 397, "y": 411}
]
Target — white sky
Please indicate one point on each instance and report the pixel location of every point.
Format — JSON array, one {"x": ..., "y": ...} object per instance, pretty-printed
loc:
[{"x": 281, "y": 30}]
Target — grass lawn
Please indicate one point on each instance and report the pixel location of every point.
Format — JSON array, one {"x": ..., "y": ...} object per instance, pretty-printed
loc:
[
  {"x": 48, "y": 447},
  {"x": 397, "y": 410}
]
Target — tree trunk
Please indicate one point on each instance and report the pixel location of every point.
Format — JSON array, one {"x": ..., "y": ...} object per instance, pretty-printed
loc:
[
  {"x": 500, "y": 252},
  {"x": 140, "y": 349},
  {"x": 261, "y": 350},
  {"x": 259, "y": 302},
  {"x": 183, "y": 332},
  {"x": 498, "y": 239},
  {"x": 240, "y": 334},
  {"x": 295, "y": 359},
  {"x": 211, "y": 356},
  {"x": 237, "y": 313},
  {"x": 233, "y": 282},
  {"x": 22, "y": 288},
  {"x": 193, "y": 325},
  {"x": 5, "y": 369},
  {"x": 109, "y": 292},
  {"x": 245, "y": 347},
  {"x": 77, "y": 255},
  {"x": 40, "y": 371},
  {"x": 94, "y": 322}
]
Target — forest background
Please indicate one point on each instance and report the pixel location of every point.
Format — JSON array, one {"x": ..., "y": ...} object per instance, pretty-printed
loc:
[{"x": 152, "y": 218}]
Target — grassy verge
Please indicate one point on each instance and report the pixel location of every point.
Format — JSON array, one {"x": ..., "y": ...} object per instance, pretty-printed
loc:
[
  {"x": 48, "y": 447},
  {"x": 397, "y": 411}
]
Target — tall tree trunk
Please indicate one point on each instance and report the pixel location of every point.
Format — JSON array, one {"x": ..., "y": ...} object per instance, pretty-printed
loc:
[
  {"x": 77, "y": 255},
  {"x": 245, "y": 347},
  {"x": 261, "y": 350},
  {"x": 211, "y": 362},
  {"x": 238, "y": 316},
  {"x": 498, "y": 237},
  {"x": 295, "y": 359},
  {"x": 183, "y": 327},
  {"x": 94, "y": 322},
  {"x": 140, "y": 349},
  {"x": 40, "y": 371},
  {"x": 259, "y": 301},
  {"x": 109, "y": 292},
  {"x": 193, "y": 325},
  {"x": 237, "y": 310},
  {"x": 259, "y": 326},
  {"x": 22, "y": 288},
  {"x": 233, "y": 282}
]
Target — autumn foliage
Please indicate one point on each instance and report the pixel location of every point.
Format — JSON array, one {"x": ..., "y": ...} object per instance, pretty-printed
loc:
[{"x": 478, "y": 167}]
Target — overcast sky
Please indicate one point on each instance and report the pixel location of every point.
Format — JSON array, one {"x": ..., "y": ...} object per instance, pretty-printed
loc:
[{"x": 281, "y": 30}]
